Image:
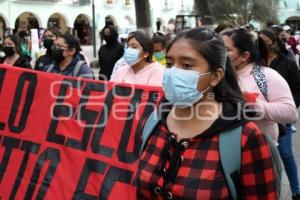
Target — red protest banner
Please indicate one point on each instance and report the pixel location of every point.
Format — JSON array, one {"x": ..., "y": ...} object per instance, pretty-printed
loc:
[{"x": 64, "y": 138}]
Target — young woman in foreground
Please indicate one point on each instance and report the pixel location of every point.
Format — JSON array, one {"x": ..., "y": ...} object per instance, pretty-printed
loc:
[{"x": 181, "y": 158}]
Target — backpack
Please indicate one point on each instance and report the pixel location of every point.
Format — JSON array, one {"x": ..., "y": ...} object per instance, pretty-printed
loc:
[
  {"x": 75, "y": 70},
  {"x": 230, "y": 155},
  {"x": 260, "y": 79}
]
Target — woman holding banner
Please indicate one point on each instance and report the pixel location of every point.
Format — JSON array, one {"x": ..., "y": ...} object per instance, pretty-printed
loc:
[
  {"x": 181, "y": 157},
  {"x": 12, "y": 50},
  {"x": 68, "y": 62},
  {"x": 140, "y": 68}
]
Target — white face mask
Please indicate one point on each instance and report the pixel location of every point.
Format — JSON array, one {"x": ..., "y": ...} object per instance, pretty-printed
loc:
[{"x": 181, "y": 86}]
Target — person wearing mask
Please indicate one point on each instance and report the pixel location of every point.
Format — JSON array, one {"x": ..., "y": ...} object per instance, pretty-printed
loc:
[
  {"x": 181, "y": 157},
  {"x": 291, "y": 41},
  {"x": 275, "y": 54},
  {"x": 12, "y": 51},
  {"x": 65, "y": 53},
  {"x": 283, "y": 36},
  {"x": 159, "y": 47},
  {"x": 26, "y": 45},
  {"x": 50, "y": 36},
  {"x": 109, "y": 53},
  {"x": 273, "y": 104},
  {"x": 140, "y": 68}
]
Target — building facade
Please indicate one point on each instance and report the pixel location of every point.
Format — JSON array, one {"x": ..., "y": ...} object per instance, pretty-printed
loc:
[
  {"x": 289, "y": 13},
  {"x": 75, "y": 16}
]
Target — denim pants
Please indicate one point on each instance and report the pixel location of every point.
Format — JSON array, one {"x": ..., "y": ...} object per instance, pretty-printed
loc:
[{"x": 286, "y": 152}]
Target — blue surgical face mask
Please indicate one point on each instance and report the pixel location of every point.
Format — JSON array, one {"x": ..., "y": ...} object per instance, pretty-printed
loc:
[
  {"x": 180, "y": 86},
  {"x": 131, "y": 56}
]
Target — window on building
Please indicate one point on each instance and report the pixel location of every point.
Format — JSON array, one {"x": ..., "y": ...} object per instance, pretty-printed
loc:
[
  {"x": 167, "y": 4},
  {"x": 285, "y": 4},
  {"x": 127, "y": 2},
  {"x": 109, "y": 2}
]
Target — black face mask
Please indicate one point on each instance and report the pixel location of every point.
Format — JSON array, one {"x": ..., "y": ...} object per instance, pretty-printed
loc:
[
  {"x": 108, "y": 38},
  {"x": 284, "y": 40},
  {"x": 48, "y": 43},
  {"x": 58, "y": 54},
  {"x": 9, "y": 51}
]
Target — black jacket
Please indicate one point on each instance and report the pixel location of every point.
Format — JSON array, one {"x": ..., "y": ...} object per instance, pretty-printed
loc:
[
  {"x": 109, "y": 54},
  {"x": 289, "y": 70},
  {"x": 23, "y": 62},
  {"x": 44, "y": 60}
]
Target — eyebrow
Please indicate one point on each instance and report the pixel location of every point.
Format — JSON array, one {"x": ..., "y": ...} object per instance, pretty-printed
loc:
[
  {"x": 187, "y": 58},
  {"x": 183, "y": 58}
]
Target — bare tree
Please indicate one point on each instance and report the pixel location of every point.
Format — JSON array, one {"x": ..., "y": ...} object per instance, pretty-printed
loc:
[
  {"x": 243, "y": 11},
  {"x": 143, "y": 16},
  {"x": 202, "y": 8}
]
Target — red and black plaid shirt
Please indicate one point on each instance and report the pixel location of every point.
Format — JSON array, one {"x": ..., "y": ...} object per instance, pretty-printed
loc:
[{"x": 191, "y": 168}]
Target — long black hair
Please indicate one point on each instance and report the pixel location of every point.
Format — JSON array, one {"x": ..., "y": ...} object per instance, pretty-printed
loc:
[
  {"x": 210, "y": 45},
  {"x": 280, "y": 47},
  {"x": 245, "y": 42}
]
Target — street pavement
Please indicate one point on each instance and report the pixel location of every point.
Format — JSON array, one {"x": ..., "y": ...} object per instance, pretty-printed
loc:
[{"x": 285, "y": 190}]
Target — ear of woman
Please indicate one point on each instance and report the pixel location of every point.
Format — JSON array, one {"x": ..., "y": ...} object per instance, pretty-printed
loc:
[{"x": 216, "y": 77}]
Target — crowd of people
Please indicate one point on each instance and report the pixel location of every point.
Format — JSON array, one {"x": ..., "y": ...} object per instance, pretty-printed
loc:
[{"x": 209, "y": 77}]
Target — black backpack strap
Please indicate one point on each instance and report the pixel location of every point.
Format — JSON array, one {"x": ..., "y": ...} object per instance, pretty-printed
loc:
[
  {"x": 260, "y": 79},
  {"x": 231, "y": 156}
]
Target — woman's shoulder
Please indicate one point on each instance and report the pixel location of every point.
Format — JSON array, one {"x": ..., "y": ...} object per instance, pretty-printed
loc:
[
  {"x": 24, "y": 62},
  {"x": 251, "y": 133},
  {"x": 2, "y": 59},
  {"x": 123, "y": 69},
  {"x": 271, "y": 74},
  {"x": 155, "y": 66},
  {"x": 84, "y": 71},
  {"x": 249, "y": 128},
  {"x": 120, "y": 73}
]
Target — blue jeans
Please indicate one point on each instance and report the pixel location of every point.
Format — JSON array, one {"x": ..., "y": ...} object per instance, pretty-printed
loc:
[{"x": 286, "y": 152}]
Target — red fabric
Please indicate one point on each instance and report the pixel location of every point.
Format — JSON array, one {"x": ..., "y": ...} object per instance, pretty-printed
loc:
[
  {"x": 292, "y": 41},
  {"x": 200, "y": 174},
  {"x": 29, "y": 153},
  {"x": 250, "y": 97}
]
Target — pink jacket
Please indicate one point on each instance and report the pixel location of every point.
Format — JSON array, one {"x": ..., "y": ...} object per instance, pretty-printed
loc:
[
  {"x": 150, "y": 75},
  {"x": 280, "y": 108}
]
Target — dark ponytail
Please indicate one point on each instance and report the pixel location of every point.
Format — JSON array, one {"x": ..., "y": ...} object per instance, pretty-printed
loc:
[
  {"x": 228, "y": 89},
  {"x": 280, "y": 48}
]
